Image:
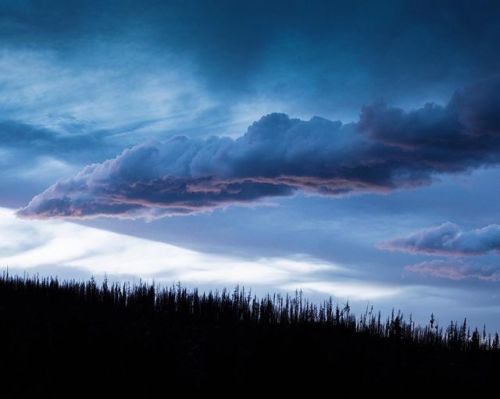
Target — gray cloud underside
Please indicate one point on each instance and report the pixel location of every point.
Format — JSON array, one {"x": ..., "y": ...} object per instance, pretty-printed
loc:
[
  {"x": 386, "y": 149},
  {"x": 448, "y": 239}
]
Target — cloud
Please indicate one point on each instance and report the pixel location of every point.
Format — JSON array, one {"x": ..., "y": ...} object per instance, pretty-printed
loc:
[
  {"x": 83, "y": 91},
  {"x": 305, "y": 52},
  {"x": 350, "y": 289},
  {"x": 76, "y": 251},
  {"x": 387, "y": 149},
  {"x": 39, "y": 156},
  {"x": 448, "y": 239},
  {"x": 455, "y": 270},
  {"x": 33, "y": 246},
  {"x": 40, "y": 140}
]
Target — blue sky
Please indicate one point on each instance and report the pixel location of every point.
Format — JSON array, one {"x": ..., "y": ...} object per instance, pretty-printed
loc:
[{"x": 346, "y": 148}]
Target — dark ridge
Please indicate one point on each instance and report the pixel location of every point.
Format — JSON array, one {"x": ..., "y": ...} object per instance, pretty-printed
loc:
[{"x": 80, "y": 338}]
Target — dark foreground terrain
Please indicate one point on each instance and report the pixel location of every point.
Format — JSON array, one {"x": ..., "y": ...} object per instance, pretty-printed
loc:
[{"x": 74, "y": 339}]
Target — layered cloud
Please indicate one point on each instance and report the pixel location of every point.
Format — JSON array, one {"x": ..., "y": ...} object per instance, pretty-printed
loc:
[
  {"x": 387, "y": 149},
  {"x": 455, "y": 270},
  {"x": 448, "y": 239}
]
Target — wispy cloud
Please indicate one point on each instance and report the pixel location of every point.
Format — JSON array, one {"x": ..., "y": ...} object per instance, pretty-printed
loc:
[
  {"x": 42, "y": 88},
  {"x": 455, "y": 269}
]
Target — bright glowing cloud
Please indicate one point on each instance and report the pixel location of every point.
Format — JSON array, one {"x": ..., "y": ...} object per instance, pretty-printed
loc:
[
  {"x": 33, "y": 244},
  {"x": 349, "y": 289}
]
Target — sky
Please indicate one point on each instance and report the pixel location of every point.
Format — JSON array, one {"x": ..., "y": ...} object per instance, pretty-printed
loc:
[{"x": 349, "y": 149}]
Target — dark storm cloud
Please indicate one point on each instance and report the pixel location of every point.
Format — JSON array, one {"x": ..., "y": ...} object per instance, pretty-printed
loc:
[
  {"x": 387, "y": 149},
  {"x": 448, "y": 239},
  {"x": 329, "y": 55}
]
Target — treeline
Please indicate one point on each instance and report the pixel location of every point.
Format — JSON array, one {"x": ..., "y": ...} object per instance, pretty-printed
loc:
[
  {"x": 224, "y": 307},
  {"x": 139, "y": 337}
]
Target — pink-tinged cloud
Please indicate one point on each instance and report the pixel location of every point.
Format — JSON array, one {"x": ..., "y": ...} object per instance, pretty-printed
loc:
[
  {"x": 386, "y": 149},
  {"x": 455, "y": 270},
  {"x": 448, "y": 240}
]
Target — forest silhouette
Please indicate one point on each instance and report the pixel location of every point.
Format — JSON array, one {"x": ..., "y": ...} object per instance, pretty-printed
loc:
[{"x": 67, "y": 337}]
